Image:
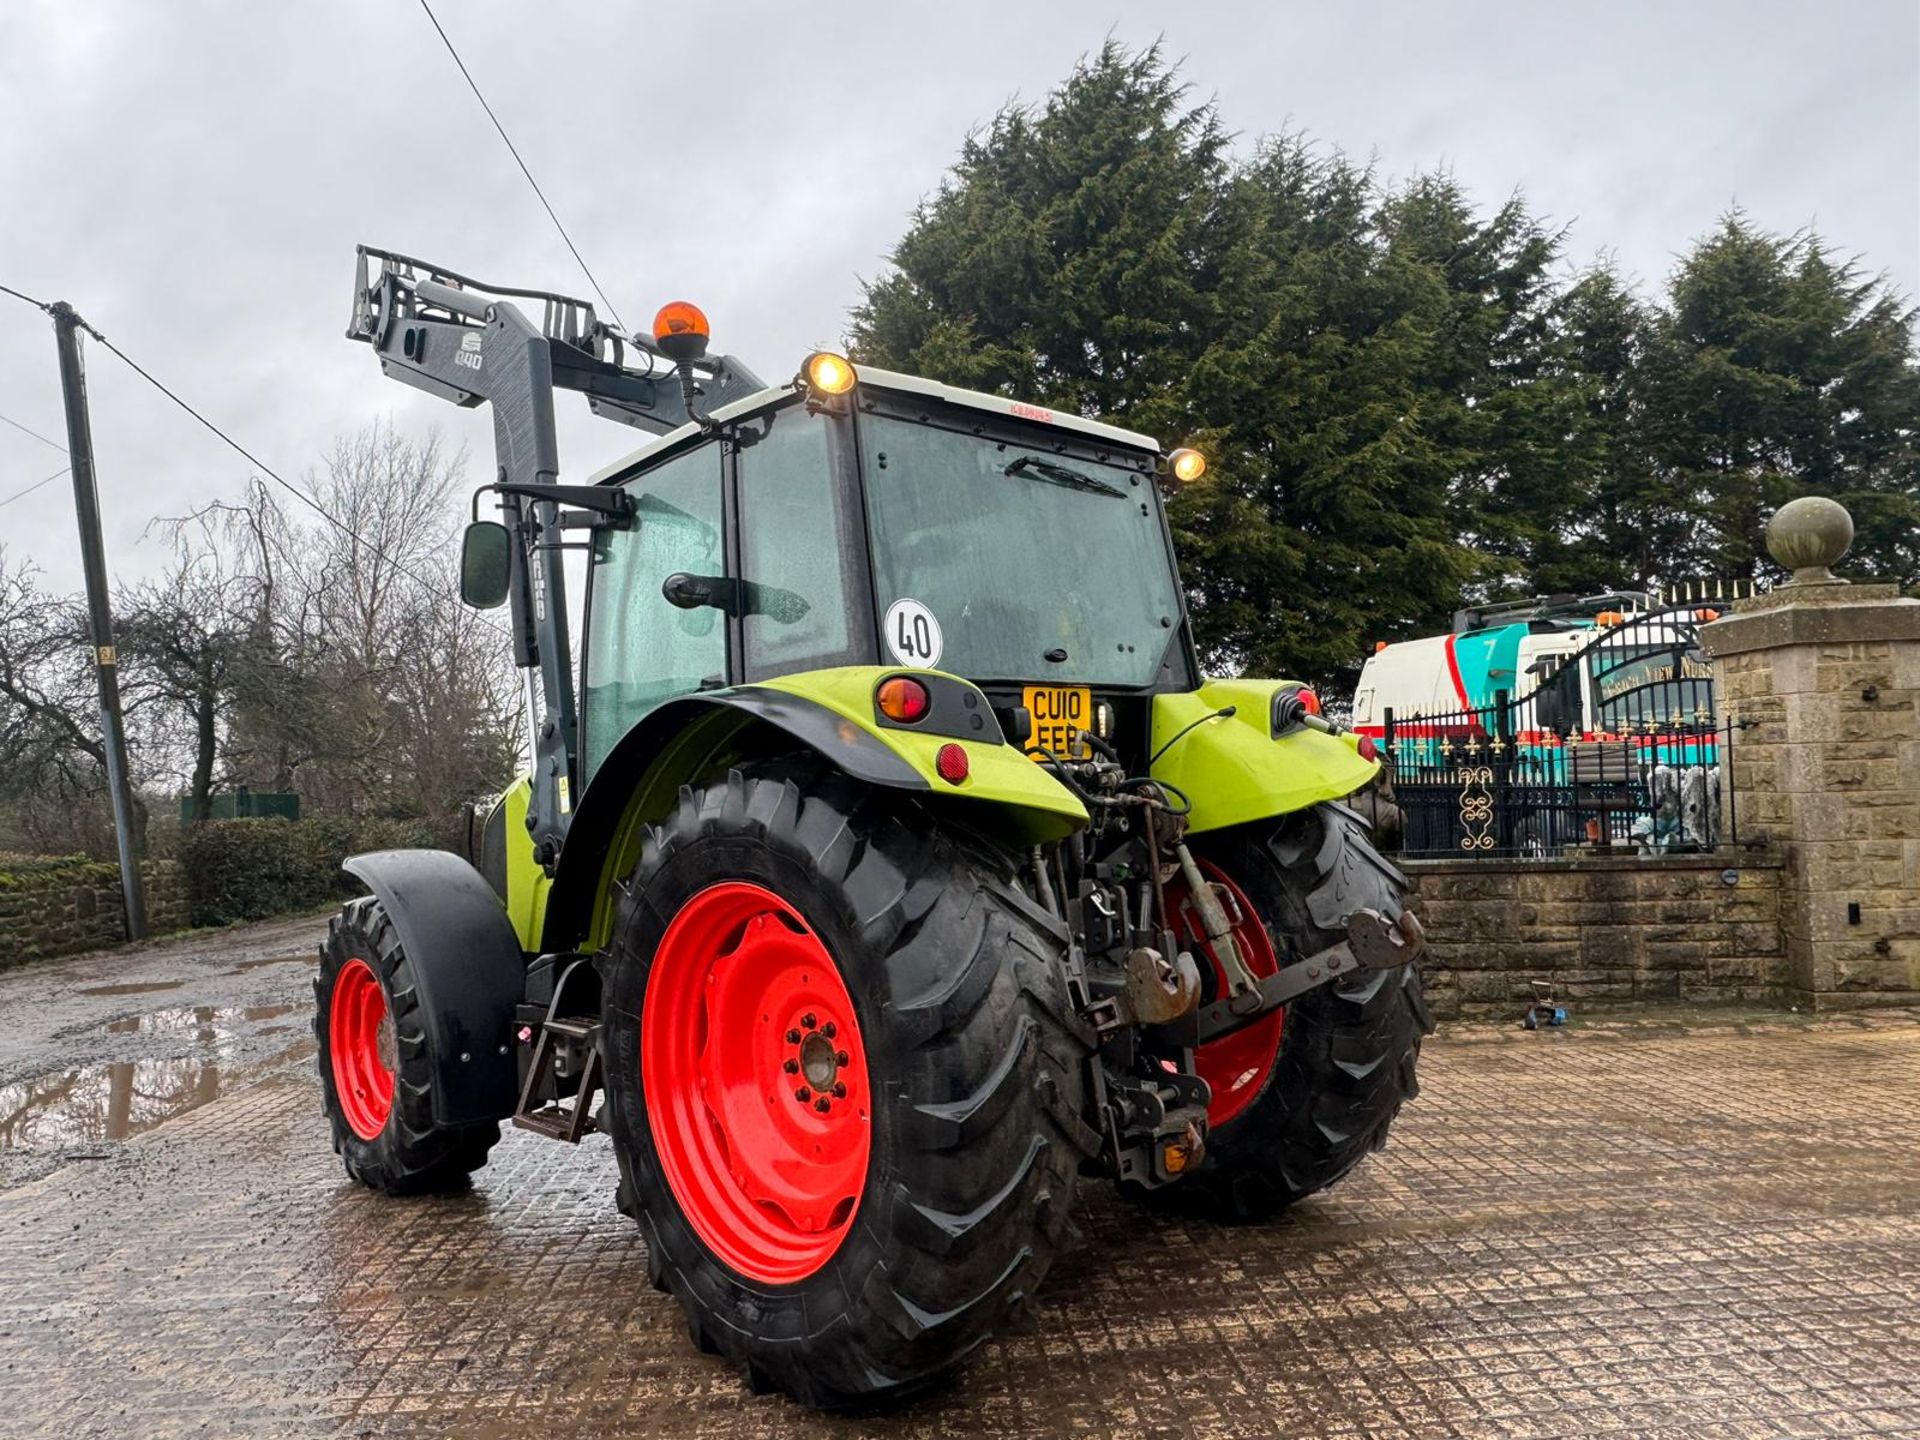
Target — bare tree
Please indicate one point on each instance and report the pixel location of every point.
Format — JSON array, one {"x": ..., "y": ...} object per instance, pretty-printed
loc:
[
  {"x": 395, "y": 698},
  {"x": 52, "y": 759},
  {"x": 192, "y": 648},
  {"x": 325, "y": 655}
]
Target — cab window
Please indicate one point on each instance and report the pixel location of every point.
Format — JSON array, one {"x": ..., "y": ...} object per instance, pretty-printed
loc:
[
  {"x": 800, "y": 549},
  {"x": 642, "y": 651}
]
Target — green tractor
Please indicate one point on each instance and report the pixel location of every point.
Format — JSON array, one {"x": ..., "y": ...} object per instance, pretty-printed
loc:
[{"x": 895, "y": 871}]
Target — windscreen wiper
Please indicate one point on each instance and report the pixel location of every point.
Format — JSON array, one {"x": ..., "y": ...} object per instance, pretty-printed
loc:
[{"x": 1057, "y": 474}]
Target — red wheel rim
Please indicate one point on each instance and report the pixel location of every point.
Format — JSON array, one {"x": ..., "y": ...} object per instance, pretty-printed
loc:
[
  {"x": 1236, "y": 1066},
  {"x": 360, "y": 1039},
  {"x": 756, "y": 1083}
]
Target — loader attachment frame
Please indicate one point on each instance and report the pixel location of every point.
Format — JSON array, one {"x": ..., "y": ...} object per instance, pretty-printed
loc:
[{"x": 466, "y": 341}]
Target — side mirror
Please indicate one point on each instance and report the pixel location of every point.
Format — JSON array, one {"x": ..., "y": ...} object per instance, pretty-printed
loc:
[{"x": 484, "y": 564}]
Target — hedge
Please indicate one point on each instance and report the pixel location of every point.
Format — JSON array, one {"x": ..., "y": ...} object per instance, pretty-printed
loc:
[
  {"x": 250, "y": 869},
  {"x": 17, "y": 871}
]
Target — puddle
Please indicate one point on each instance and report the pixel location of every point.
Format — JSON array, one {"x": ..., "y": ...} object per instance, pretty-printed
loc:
[
  {"x": 117, "y": 1099},
  {"x": 103, "y": 1102},
  {"x": 246, "y": 965},
  {"x": 152, "y": 987},
  {"x": 209, "y": 1025}
]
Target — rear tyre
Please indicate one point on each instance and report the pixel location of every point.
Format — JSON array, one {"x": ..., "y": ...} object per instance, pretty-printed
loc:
[
  {"x": 1306, "y": 1095},
  {"x": 844, "y": 1215},
  {"x": 376, "y": 1078}
]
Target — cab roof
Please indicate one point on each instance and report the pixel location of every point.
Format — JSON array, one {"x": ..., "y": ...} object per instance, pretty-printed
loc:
[{"x": 872, "y": 378}]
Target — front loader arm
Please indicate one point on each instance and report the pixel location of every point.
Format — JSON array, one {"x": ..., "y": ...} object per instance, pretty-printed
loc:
[
  {"x": 469, "y": 343},
  {"x": 468, "y": 349}
]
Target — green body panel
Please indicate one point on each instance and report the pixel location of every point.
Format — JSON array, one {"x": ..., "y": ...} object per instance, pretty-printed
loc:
[
  {"x": 527, "y": 882},
  {"x": 1233, "y": 770},
  {"x": 1035, "y": 806}
]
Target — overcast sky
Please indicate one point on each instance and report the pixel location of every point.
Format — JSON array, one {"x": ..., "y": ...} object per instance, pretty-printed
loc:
[{"x": 193, "y": 176}]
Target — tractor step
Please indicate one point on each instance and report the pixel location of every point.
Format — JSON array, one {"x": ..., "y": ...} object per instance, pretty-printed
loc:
[
  {"x": 566, "y": 1047},
  {"x": 559, "y": 1120}
]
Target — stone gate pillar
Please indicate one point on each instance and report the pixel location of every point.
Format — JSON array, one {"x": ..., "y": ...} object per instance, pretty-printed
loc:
[{"x": 1821, "y": 679}]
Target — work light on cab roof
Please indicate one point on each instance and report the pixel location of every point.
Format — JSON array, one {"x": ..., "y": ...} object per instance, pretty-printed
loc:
[
  {"x": 827, "y": 373},
  {"x": 1187, "y": 465}
]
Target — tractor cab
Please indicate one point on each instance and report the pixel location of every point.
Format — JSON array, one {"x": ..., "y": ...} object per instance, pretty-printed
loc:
[{"x": 892, "y": 521}]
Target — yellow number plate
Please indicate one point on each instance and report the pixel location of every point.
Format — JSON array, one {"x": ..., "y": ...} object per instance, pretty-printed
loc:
[{"x": 1060, "y": 713}]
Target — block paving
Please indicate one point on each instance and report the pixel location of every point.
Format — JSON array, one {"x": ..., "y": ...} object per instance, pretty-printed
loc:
[{"x": 1707, "y": 1231}]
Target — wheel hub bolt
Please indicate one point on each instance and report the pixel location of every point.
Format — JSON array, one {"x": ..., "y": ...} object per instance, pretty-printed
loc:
[
  {"x": 823, "y": 1104},
  {"x": 830, "y": 1030},
  {"x": 803, "y": 1094},
  {"x": 792, "y": 1067},
  {"x": 840, "y": 1057},
  {"x": 808, "y": 1020},
  {"x": 839, "y": 1090},
  {"x": 793, "y": 1037}
]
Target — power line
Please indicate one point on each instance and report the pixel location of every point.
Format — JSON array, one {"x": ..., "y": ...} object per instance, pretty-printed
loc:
[
  {"x": 22, "y": 494},
  {"x": 243, "y": 452},
  {"x": 273, "y": 475},
  {"x": 523, "y": 166},
  {"x": 24, "y": 430},
  {"x": 42, "y": 305}
]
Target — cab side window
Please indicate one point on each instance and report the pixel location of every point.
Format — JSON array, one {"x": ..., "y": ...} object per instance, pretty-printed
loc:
[
  {"x": 798, "y": 550},
  {"x": 642, "y": 651}
]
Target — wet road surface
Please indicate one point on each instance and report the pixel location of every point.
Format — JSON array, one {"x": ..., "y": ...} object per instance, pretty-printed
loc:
[
  {"x": 1649, "y": 1229},
  {"x": 101, "y": 1047}
]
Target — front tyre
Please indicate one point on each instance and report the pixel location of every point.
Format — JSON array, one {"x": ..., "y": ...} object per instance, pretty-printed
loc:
[
  {"x": 1301, "y": 1096},
  {"x": 841, "y": 1082},
  {"x": 376, "y": 1077}
]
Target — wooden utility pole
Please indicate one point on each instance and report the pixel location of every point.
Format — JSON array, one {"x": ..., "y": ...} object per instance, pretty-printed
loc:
[{"x": 86, "y": 505}]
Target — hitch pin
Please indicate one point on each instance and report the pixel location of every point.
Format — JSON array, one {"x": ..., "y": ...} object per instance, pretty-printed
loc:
[{"x": 1213, "y": 920}]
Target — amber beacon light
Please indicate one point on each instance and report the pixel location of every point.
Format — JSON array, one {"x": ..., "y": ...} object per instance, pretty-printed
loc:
[
  {"x": 1187, "y": 465},
  {"x": 681, "y": 331}
]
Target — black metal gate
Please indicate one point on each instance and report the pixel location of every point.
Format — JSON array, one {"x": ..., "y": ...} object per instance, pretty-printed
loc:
[{"x": 1618, "y": 747}]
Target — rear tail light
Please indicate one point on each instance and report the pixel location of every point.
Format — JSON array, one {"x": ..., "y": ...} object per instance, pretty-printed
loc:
[
  {"x": 903, "y": 700},
  {"x": 1368, "y": 750},
  {"x": 951, "y": 764}
]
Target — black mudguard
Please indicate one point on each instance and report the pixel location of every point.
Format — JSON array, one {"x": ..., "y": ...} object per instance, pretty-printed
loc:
[{"x": 467, "y": 967}]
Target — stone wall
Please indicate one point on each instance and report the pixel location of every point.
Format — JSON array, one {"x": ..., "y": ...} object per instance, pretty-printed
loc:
[
  {"x": 1673, "y": 928},
  {"x": 64, "y": 907},
  {"x": 1823, "y": 683}
]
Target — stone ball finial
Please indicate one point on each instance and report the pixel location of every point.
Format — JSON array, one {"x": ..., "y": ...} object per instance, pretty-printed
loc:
[{"x": 1808, "y": 536}]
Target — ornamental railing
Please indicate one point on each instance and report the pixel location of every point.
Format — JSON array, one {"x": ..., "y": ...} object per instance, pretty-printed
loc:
[{"x": 1620, "y": 747}]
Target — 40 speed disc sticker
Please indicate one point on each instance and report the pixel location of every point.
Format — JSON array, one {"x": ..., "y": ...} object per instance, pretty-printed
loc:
[{"x": 913, "y": 635}]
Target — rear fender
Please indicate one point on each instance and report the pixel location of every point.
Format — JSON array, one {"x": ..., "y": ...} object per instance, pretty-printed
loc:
[
  {"x": 467, "y": 968},
  {"x": 1234, "y": 769},
  {"x": 829, "y": 712}
]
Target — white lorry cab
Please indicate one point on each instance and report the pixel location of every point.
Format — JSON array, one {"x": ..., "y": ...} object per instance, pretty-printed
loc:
[
  {"x": 1582, "y": 720},
  {"x": 1583, "y": 666}
]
